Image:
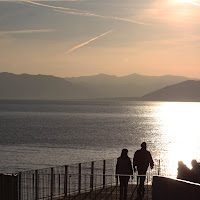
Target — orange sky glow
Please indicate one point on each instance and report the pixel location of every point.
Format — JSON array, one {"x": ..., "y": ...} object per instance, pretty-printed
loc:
[{"x": 74, "y": 38}]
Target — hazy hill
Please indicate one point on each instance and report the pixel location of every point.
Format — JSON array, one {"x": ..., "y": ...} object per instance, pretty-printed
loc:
[
  {"x": 184, "y": 91},
  {"x": 26, "y": 86},
  {"x": 46, "y": 87},
  {"x": 133, "y": 85}
]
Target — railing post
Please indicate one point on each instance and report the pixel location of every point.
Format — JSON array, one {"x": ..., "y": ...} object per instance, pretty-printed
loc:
[
  {"x": 65, "y": 180},
  {"x": 1, "y": 186},
  {"x": 59, "y": 184},
  {"x": 79, "y": 178},
  {"x": 104, "y": 172},
  {"x": 8, "y": 187},
  {"x": 36, "y": 185},
  {"x": 52, "y": 182},
  {"x": 158, "y": 167},
  {"x": 92, "y": 176},
  {"x": 19, "y": 185},
  {"x": 15, "y": 186},
  {"x": 33, "y": 185}
]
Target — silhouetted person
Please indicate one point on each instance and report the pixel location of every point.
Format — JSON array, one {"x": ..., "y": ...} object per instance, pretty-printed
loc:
[
  {"x": 141, "y": 161},
  {"x": 124, "y": 167},
  {"x": 184, "y": 172},
  {"x": 195, "y": 171}
]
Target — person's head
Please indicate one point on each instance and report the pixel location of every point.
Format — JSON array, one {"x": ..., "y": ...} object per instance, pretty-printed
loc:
[
  {"x": 180, "y": 163},
  {"x": 144, "y": 145},
  {"x": 194, "y": 163},
  {"x": 124, "y": 153}
]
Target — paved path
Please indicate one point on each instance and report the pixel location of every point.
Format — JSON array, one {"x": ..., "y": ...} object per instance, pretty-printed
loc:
[{"x": 111, "y": 193}]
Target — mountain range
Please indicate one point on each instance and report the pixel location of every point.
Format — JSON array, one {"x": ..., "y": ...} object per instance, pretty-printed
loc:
[
  {"x": 39, "y": 87},
  {"x": 131, "y": 87}
]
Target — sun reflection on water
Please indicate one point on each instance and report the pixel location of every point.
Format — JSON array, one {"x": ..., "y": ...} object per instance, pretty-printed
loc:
[{"x": 180, "y": 130}]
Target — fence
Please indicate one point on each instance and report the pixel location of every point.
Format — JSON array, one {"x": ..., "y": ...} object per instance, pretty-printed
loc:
[
  {"x": 64, "y": 180},
  {"x": 70, "y": 180}
]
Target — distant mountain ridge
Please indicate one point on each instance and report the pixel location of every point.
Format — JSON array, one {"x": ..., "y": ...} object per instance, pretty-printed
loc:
[
  {"x": 47, "y": 87},
  {"x": 133, "y": 85},
  {"x": 184, "y": 91},
  {"x": 25, "y": 86}
]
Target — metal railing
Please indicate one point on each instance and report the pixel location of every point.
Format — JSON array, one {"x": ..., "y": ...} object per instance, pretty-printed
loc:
[
  {"x": 69, "y": 181},
  {"x": 64, "y": 180}
]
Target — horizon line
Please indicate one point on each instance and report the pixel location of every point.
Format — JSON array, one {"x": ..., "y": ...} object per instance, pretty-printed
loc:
[{"x": 97, "y": 75}]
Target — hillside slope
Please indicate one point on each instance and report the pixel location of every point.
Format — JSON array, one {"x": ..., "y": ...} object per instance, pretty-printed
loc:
[
  {"x": 27, "y": 86},
  {"x": 184, "y": 91}
]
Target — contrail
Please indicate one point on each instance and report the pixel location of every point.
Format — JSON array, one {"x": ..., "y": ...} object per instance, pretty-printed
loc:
[
  {"x": 84, "y": 13},
  {"x": 85, "y": 43},
  {"x": 192, "y": 2},
  {"x": 102, "y": 16},
  {"x": 26, "y": 31},
  {"x": 45, "y": 5}
]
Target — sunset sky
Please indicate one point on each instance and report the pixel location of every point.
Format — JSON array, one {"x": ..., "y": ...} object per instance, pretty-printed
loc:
[{"x": 87, "y": 37}]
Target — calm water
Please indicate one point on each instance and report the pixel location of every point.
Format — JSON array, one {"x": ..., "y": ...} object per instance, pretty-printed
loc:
[{"x": 38, "y": 134}]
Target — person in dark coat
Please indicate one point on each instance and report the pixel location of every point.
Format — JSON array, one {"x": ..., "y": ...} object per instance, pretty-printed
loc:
[
  {"x": 124, "y": 167},
  {"x": 184, "y": 172},
  {"x": 195, "y": 171},
  {"x": 141, "y": 161}
]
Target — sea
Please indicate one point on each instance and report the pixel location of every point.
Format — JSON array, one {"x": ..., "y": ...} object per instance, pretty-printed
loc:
[{"x": 41, "y": 134}]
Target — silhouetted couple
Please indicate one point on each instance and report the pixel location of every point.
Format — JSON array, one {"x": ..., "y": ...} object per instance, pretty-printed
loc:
[
  {"x": 141, "y": 161},
  {"x": 187, "y": 174}
]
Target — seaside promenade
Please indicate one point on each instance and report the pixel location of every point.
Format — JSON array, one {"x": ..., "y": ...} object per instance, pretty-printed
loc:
[
  {"x": 94, "y": 180},
  {"x": 83, "y": 181},
  {"x": 111, "y": 193}
]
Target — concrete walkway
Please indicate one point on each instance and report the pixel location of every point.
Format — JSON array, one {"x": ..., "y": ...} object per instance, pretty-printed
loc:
[{"x": 110, "y": 193}]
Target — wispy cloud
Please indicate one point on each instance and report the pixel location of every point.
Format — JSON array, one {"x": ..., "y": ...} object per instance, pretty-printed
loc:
[
  {"x": 105, "y": 17},
  {"x": 55, "y": 7},
  {"x": 85, "y": 43},
  {"x": 46, "y": 0},
  {"x": 25, "y": 31},
  {"x": 85, "y": 13},
  {"x": 187, "y": 39},
  {"x": 192, "y": 2},
  {"x": 24, "y": 3}
]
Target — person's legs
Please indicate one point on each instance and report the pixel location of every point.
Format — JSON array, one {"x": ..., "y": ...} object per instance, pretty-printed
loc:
[
  {"x": 121, "y": 179},
  {"x": 139, "y": 185},
  {"x": 142, "y": 180},
  {"x": 140, "y": 190},
  {"x": 125, "y": 187}
]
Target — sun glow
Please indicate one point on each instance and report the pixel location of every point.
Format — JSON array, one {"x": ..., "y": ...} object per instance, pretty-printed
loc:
[
  {"x": 185, "y": 9},
  {"x": 180, "y": 128},
  {"x": 182, "y": 13},
  {"x": 188, "y": 1}
]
